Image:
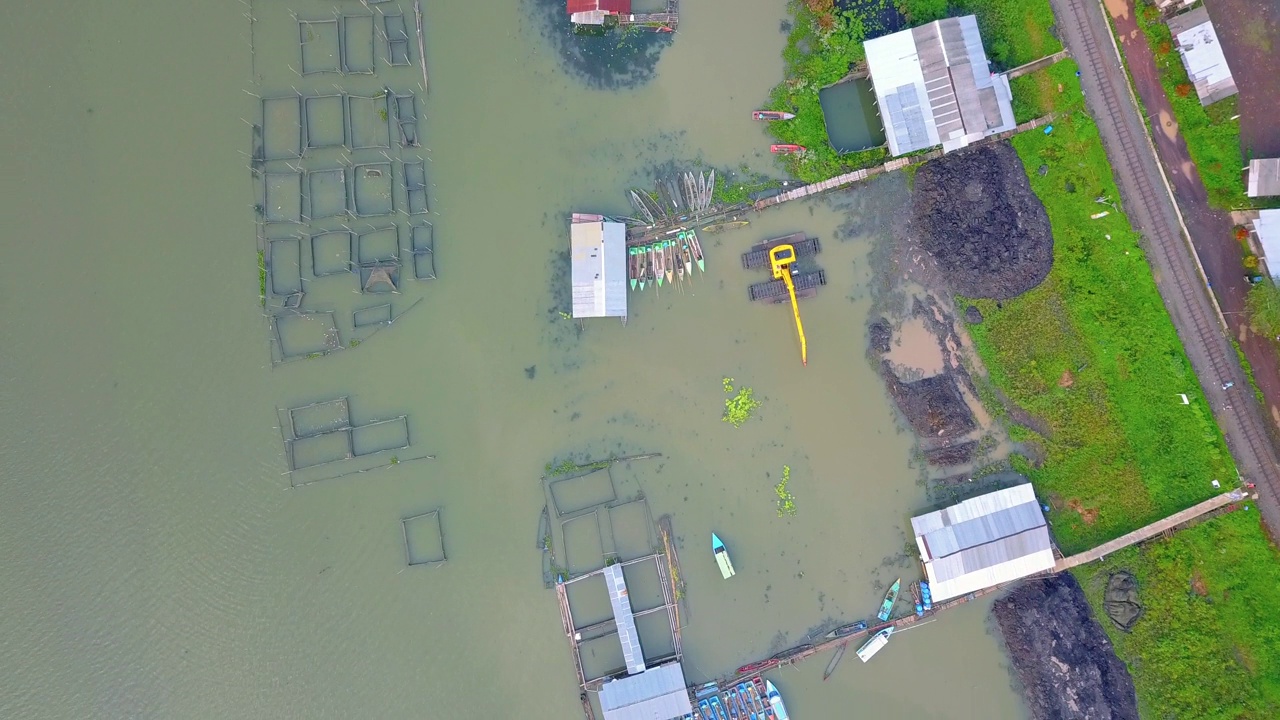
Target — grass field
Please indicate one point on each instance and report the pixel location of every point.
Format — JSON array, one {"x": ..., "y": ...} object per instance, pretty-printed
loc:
[
  {"x": 1014, "y": 32},
  {"x": 1053, "y": 89},
  {"x": 1208, "y": 645},
  {"x": 1093, "y": 354}
]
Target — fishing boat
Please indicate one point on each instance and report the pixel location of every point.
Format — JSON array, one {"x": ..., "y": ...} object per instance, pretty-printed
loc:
[
  {"x": 849, "y": 629},
  {"x": 722, "y": 559},
  {"x": 633, "y": 267},
  {"x": 835, "y": 660},
  {"x": 890, "y": 598},
  {"x": 771, "y": 115},
  {"x": 659, "y": 261},
  {"x": 746, "y": 700},
  {"x": 722, "y": 226},
  {"x": 643, "y": 273},
  {"x": 704, "y": 708},
  {"x": 759, "y": 666},
  {"x": 695, "y": 246},
  {"x": 875, "y": 644},
  {"x": 735, "y": 705},
  {"x": 754, "y": 693},
  {"x": 686, "y": 255},
  {"x": 926, "y": 596},
  {"x": 775, "y": 700},
  {"x": 786, "y": 149},
  {"x": 670, "y": 259},
  {"x": 720, "y": 713}
]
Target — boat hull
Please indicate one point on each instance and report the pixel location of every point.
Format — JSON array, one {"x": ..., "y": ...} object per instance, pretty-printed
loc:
[
  {"x": 722, "y": 557},
  {"x": 786, "y": 149},
  {"x": 771, "y": 115},
  {"x": 875, "y": 644},
  {"x": 890, "y": 599}
]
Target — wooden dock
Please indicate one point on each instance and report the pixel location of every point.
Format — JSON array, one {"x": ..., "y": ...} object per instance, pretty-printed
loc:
[{"x": 656, "y": 22}]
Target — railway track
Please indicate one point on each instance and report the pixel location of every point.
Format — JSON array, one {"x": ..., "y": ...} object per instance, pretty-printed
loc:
[{"x": 1179, "y": 278}]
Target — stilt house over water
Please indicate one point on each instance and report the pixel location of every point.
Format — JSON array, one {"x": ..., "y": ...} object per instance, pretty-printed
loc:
[
  {"x": 598, "y": 266},
  {"x": 934, "y": 87},
  {"x": 593, "y": 12}
]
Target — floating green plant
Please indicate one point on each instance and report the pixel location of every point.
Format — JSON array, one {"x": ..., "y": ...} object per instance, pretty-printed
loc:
[
  {"x": 739, "y": 408},
  {"x": 382, "y": 113},
  {"x": 786, "y": 501},
  {"x": 262, "y": 278}
]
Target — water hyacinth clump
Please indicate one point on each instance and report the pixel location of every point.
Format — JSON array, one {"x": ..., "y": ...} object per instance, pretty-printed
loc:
[
  {"x": 740, "y": 407},
  {"x": 786, "y": 501}
]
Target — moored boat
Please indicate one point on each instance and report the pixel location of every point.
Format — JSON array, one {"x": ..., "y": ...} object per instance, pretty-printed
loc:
[
  {"x": 775, "y": 699},
  {"x": 785, "y": 149},
  {"x": 722, "y": 558},
  {"x": 704, "y": 708},
  {"x": 720, "y": 713},
  {"x": 754, "y": 693},
  {"x": 722, "y": 226},
  {"x": 633, "y": 267},
  {"x": 849, "y": 629},
  {"x": 875, "y": 644},
  {"x": 890, "y": 598},
  {"x": 835, "y": 660},
  {"x": 659, "y": 262},
  {"x": 771, "y": 115},
  {"x": 695, "y": 246},
  {"x": 686, "y": 255},
  {"x": 735, "y": 705},
  {"x": 669, "y": 250},
  {"x": 759, "y": 666}
]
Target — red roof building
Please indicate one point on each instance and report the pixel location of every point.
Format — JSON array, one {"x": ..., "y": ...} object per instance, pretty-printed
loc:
[{"x": 593, "y": 12}]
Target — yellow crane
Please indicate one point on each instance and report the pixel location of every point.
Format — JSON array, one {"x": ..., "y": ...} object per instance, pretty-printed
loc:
[{"x": 780, "y": 259}]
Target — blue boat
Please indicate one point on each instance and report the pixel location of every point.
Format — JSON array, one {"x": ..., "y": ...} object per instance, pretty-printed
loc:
[
  {"x": 775, "y": 699},
  {"x": 891, "y": 597},
  {"x": 705, "y": 708},
  {"x": 740, "y": 695},
  {"x": 733, "y": 705},
  {"x": 720, "y": 713},
  {"x": 745, "y": 699}
]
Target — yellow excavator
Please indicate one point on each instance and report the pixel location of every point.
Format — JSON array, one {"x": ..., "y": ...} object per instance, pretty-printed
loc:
[{"x": 780, "y": 259}]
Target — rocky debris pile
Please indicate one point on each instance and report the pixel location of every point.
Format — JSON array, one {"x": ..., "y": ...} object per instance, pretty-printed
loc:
[
  {"x": 975, "y": 213},
  {"x": 1121, "y": 600},
  {"x": 1061, "y": 654},
  {"x": 933, "y": 406}
]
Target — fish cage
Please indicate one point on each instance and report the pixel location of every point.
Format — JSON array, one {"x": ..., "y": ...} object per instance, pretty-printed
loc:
[
  {"x": 374, "y": 316},
  {"x": 331, "y": 252},
  {"x": 304, "y": 334},
  {"x": 422, "y": 243},
  {"x": 424, "y": 539},
  {"x": 320, "y": 449},
  {"x": 368, "y": 122},
  {"x": 281, "y": 197},
  {"x": 631, "y": 529},
  {"x": 396, "y": 31},
  {"x": 405, "y": 109},
  {"x": 324, "y": 122},
  {"x": 380, "y": 436},
  {"x": 281, "y": 128},
  {"x": 378, "y": 246},
  {"x": 380, "y": 278},
  {"x": 584, "y": 545},
  {"x": 372, "y": 189},
  {"x": 327, "y": 193},
  {"x": 320, "y": 43},
  {"x": 357, "y": 55},
  {"x": 283, "y": 261},
  {"x": 415, "y": 186},
  {"x": 317, "y": 418}
]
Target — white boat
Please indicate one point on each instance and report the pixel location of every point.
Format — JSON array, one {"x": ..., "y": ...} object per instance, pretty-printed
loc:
[
  {"x": 775, "y": 700},
  {"x": 874, "y": 645},
  {"x": 722, "y": 557}
]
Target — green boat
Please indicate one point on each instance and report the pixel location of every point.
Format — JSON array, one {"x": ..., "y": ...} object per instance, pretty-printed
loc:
[
  {"x": 633, "y": 267},
  {"x": 696, "y": 246},
  {"x": 890, "y": 598}
]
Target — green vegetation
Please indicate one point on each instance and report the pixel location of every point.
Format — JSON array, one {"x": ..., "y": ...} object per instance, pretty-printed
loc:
[
  {"x": 739, "y": 408},
  {"x": 786, "y": 501},
  {"x": 1263, "y": 306},
  {"x": 262, "y": 278},
  {"x": 1052, "y": 89},
  {"x": 1093, "y": 354},
  {"x": 729, "y": 192},
  {"x": 353, "y": 343},
  {"x": 394, "y": 460},
  {"x": 566, "y": 466},
  {"x": 1212, "y": 133},
  {"x": 1208, "y": 645},
  {"x": 1014, "y": 32}
]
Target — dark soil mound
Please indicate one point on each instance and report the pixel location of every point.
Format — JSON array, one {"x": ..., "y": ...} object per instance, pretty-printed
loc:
[
  {"x": 933, "y": 406},
  {"x": 1061, "y": 654},
  {"x": 880, "y": 334},
  {"x": 974, "y": 211},
  {"x": 949, "y": 455}
]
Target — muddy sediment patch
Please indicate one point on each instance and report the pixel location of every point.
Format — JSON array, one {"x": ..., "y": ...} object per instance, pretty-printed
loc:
[
  {"x": 1061, "y": 655},
  {"x": 975, "y": 213},
  {"x": 933, "y": 406}
]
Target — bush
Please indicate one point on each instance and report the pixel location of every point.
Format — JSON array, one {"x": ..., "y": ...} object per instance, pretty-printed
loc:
[{"x": 1263, "y": 305}]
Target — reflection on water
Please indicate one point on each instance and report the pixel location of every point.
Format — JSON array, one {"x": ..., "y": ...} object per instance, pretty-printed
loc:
[{"x": 157, "y": 562}]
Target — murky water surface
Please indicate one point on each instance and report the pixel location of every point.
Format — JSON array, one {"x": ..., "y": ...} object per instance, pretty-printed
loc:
[{"x": 157, "y": 562}]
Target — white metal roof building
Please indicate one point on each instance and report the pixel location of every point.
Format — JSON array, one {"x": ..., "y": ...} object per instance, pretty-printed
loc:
[
  {"x": 598, "y": 250},
  {"x": 1202, "y": 55},
  {"x": 1264, "y": 177},
  {"x": 1267, "y": 228},
  {"x": 983, "y": 541},
  {"x": 934, "y": 86},
  {"x": 655, "y": 694}
]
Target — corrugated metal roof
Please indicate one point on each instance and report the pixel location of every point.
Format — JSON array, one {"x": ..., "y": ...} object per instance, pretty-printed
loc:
[
  {"x": 941, "y": 64},
  {"x": 622, "y": 617},
  {"x": 1264, "y": 177},
  {"x": 983, "y": 541},
  {"x": 655, "y": 694},
  {"x": 1202, "y": 55},
  {"x": 1267, "y": 228},
  {"x": 610, "y": 6},
  {"x": 598, "y": 269}
]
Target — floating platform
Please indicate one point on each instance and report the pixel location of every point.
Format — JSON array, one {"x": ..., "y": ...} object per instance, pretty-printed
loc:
[
  {"x": 758, "y": 256},
  {"x": 775, "y": 291}
]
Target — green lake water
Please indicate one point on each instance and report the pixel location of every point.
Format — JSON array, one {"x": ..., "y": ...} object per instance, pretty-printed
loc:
[{"x": 156, "y": 561}]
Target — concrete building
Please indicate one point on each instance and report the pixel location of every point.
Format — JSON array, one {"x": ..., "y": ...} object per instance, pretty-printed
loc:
[
  {"x": 1267, "y": 229},
  {"x": 1264, "y": 177},
  {"x": 598, "y": 257},
  {"x": 1202, "y": 55},
  {"x": 934, "y": 87},
  {"x": 984, "y": 541},
  {"x": 593, "y": 12}
]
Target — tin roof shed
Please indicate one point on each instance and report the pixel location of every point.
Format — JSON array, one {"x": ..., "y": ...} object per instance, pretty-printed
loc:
[
  {"x": 1202, "y": 55},
  {"x": 655, "y": 694},
  {"x": 934, "y": 86},
  {"x": 1267, "y": 228},
  {"x": 1264, "y": 177},
  {"x": 598, "y": 257},
  {"x": 983, "y": 541},
  {"x": 593, "y": 12}
]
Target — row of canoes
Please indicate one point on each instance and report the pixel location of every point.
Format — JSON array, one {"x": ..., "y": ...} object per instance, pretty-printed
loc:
[
  {"x": 670, "y": 259},
  {"x": 755, "y": 699}
]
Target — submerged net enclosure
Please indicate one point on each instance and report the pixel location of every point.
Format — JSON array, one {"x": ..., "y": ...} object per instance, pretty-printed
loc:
[
  {"x": 331, "y": 252},
  {"x": 397, "y": 33},
  {"x": 327, "y": 193},
  {"x": 281, "y": 128},
  {"x": 372, "y": 316},
  {"x": 320, "y": 41},
  {"x": 372, "y": 194},
  {"x": 304, "y": 334},
  {"x": 381, "y": 436},
  {"x": 324, "y": 122},
  {"x": 422, "y": 243},
  {"x": 368, "y": 123},
  {"x": 282, "y": 197},
  {"x": 320, "y": 417},
  {"x": 383, "y": 278},
  {"x": 415, "y": 186},
  {"x": 284, "y": 266},
  {"x": 423, "y": 539},
  {"x": 405, "y": 109},
  {"x": 356, "y": 50},
  {"x": 378, "y": 246}
]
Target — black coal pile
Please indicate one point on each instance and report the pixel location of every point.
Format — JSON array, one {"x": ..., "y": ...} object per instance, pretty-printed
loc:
[{"x": 975, "y": 213}]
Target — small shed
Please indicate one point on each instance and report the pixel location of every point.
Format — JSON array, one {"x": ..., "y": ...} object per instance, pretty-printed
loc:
[
  {"x": 1202, "y": 55},
  {"x": 656, "y": 694},
  {"x": 983, "y": 542},
  {"x": 598, "y": 257},
  {"x": 934, "y": 86},
  {"x": 1264, "y": 177},
  {"x": 593, "y": 12},
  {"x": 1267, "y": 229}
]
